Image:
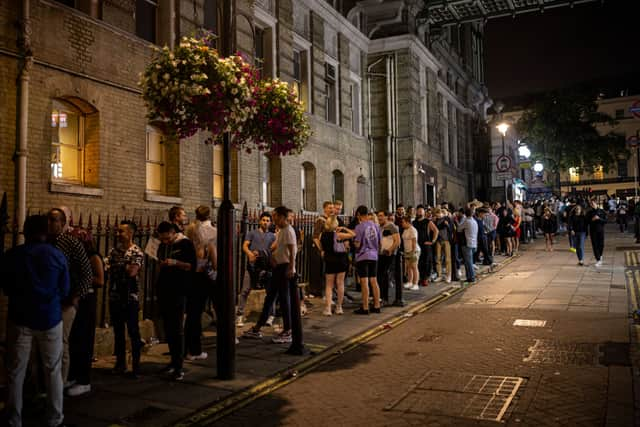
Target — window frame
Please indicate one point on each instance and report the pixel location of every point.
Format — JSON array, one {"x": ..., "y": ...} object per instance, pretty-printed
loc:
[
  {"x": 327, "y": 86},
  {"x": 355, "y": 111},
  {"x": 217, "y": 149},
  {"x": 68, "y": 109},
  {"x": 303, "y": 47},
  {"x": 162, "y": 162},
  {"x": 155, "y": 4}
]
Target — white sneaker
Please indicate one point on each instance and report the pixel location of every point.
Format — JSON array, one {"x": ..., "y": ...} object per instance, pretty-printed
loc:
[
  {"x": 415, "y": 287},
  {"x": 339, "y": 310},
  {"x": 270, "y": 321},
  {"x": 78, "y": 390},
  {"x": 239, "y": 320},
  {"x": 437, "y": 279},
  {"x": 326, "y": 312},
  {"x": 408, "y": 285},
  {"x": 201, "y": 356},
  {"x": 448, "y": 279},
  {"x": 599, "y": 263},
  {"x": 459, "y": 272}
]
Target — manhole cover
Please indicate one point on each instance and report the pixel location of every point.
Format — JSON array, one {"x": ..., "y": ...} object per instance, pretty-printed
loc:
[
  {"x": 429, "y": 338},
  {"x": 480, "y": 397},
  {"x": 530, "y": 323},
  {"x": 144, "y": 414},
  {"x": 559, "y": 353}
]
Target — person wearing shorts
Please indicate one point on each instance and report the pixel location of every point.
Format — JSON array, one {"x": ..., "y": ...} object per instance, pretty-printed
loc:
[
  {"x": 367, "y": 243},
  {"x": 411, "y": 254}
]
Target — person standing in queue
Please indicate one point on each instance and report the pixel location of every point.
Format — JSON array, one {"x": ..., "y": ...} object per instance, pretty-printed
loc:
[{"x": 177, "y": 258}]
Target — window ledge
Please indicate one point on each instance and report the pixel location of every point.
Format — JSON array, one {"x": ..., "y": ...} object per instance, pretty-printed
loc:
[
  {"x": 159, "y": 198},
  {"x": 80, "y": 190}
]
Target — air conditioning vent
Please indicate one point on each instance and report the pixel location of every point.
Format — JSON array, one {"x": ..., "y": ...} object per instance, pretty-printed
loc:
[{"x": 329, "y": 72}]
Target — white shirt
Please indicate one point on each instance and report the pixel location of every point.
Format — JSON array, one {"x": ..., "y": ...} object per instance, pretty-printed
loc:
[
  {"x": 286, "y": 236},
  {"x": 408, "y": 235}
]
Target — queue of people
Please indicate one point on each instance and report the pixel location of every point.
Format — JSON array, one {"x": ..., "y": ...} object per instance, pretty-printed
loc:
[{"x": 413, "y": 248}]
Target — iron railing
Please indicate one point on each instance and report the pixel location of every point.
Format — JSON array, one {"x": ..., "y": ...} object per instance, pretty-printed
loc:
[{"x": 104, "y": 231}]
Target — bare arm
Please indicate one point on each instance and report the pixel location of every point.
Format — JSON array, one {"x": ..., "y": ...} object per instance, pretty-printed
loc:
[
  {"x": 435, "y": 232},
  {"x": 98, "y": 271},
  {"x": 213, "y": 255}
]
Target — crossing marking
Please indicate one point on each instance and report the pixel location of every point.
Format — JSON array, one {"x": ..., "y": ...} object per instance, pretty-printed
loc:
[{"x": 627, "y": 258}]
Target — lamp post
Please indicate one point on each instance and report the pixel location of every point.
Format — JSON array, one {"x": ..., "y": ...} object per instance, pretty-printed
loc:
[
  {"x": 502, "y": 128},
  {"x": 226, "y": 331}
]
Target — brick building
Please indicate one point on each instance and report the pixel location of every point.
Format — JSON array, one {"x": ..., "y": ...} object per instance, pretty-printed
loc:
[{"x": 394, "y": 107}]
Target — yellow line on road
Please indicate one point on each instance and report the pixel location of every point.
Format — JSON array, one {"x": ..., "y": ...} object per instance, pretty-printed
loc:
[{"x": 627, "y": 258}]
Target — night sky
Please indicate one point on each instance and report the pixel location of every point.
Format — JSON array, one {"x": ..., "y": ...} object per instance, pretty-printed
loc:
[{"x": 537, "y": 52}]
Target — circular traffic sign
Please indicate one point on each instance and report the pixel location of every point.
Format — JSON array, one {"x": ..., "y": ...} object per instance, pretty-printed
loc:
[
  {"x": 635, "y": 109},
  {"x": 633, "y": 141},
  {"x": 503, "y": 164}
]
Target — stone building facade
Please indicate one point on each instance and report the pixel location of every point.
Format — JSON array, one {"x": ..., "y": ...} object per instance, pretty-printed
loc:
[{"x": 74, "y": 130}]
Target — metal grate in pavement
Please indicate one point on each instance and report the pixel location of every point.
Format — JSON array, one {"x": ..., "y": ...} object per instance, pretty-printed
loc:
[
  {"x": 530, "y": 323},
  {"x": 481, "y": 397},
  {"x": 561, "y": 353}
]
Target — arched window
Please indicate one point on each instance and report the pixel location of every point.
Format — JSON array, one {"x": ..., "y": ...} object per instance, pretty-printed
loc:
[
  {"x": 337, "y": 185},
  {"x": 75, "y": 153},
  {"x": 308, "y": 185}
]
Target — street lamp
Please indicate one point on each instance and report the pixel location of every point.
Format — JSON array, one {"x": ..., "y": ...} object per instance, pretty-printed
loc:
[
  {"x": 502, "y": 128},
  {"x": 523, "y": 151},
  {"x": 538, "y": 167}
]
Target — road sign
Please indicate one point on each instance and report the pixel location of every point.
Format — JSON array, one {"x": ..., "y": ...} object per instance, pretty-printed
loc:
[
  {"x": 633, "y": 141},
  {"x": 525, "y": 165},
  {"x": 635, "y": 109},
  {"x": 503, "y": 163},
  {"x": 504, "y": 176}
]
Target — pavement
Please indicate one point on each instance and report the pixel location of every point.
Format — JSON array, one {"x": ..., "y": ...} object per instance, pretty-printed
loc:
[
  {"x": 543, "y": 342},
  {"x": 450, "y": 357},
  {"x": 154, "y": 400}
]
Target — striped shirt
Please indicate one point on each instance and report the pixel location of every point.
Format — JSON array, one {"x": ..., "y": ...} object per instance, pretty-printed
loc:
[{"x": 80, "y": 270}]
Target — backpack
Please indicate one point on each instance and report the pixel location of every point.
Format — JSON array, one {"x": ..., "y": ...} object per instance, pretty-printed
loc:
[{"x": 338, "y": 246}]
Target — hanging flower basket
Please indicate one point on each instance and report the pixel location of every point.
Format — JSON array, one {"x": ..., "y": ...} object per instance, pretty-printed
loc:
[
  {"x": 191, "y": 88},
  {"x": 280, "y": 125}
]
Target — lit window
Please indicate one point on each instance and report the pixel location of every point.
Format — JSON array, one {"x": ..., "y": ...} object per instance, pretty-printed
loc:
[
  {"x": 218, "y": 171},
  {"x": 155, "y": 158},
  {"x": 574, "y": 175},
  {"x": 266, "y": 185},
  {"x": 598, "y": 173},
  {"x": 301, "y": 77},
  {"x": 67, "y": 143}
]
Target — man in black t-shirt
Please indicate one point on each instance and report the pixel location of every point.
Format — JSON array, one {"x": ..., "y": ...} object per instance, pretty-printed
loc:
[{"x": 177, "y": 258}]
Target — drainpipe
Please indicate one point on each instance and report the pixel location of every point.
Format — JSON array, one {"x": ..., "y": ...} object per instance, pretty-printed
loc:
[
  {"x": 394, "y": 117},
  {"x": 389, "y": 160},
  {"x": 369, "y": 137},
  {"x": 23, "y": 117}
]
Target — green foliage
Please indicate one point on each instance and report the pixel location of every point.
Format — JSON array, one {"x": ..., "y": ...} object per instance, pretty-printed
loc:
[{"x": 560, "y": 130}]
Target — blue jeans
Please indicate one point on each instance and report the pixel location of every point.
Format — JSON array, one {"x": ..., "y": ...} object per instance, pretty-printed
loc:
[
  {"x": 467, "y": 254},
  {"x": 578, "y": 242}
]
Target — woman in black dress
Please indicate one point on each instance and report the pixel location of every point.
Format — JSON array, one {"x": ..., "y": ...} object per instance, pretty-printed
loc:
[
  {"x": 336, "y": 261},
  {"x": 506, "y": 230}
]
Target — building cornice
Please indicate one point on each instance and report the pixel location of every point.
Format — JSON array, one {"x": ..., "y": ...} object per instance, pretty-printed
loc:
[
  {"x": 406, "y": 41},
  {"x": 339, "y": 22}
]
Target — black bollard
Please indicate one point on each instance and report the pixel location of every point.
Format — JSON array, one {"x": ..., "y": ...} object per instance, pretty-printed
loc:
[
  {"x": 397, "y": 272},
  {"x": 297, "y": 342}
]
